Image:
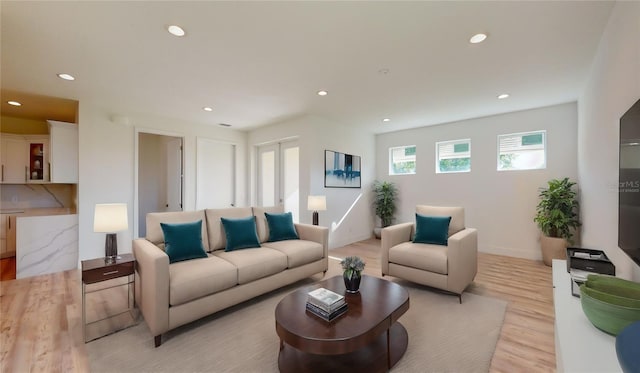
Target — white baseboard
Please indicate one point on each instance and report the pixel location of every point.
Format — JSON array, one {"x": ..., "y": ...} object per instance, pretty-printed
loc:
[{"x": 508, "y": 251}]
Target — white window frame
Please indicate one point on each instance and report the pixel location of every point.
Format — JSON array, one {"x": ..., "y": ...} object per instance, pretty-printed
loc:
[
  {"x": 522, "y": 148},
  {"x": 391, "y": 160},
  {"x": 439, "y": 147}
]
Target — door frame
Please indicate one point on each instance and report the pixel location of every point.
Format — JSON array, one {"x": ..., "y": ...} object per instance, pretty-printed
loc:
[{"x": 136, "y": 166}]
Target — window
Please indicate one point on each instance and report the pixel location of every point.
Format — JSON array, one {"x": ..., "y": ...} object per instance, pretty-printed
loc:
[
  {"x": 453, "y": 156},
  {"x": 402, "y": 160},
  {"x": 522, "y": 151}
]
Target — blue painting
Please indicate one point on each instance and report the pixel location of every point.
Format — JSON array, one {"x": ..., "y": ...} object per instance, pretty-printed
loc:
[{"x": 341, "y": 170}]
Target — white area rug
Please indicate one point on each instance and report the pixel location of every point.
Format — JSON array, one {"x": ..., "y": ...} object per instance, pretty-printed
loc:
[{"x": 444, "y": 336}]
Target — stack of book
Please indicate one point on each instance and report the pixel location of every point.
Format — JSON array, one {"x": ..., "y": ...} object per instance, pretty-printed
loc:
[{"x": 326, "y": 304}]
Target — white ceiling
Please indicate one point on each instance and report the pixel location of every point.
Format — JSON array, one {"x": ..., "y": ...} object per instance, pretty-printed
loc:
[{"x": 257, "y": 63}]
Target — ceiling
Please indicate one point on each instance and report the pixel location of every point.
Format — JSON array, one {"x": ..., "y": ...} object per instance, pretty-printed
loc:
[{"x": 257, "y": 63}]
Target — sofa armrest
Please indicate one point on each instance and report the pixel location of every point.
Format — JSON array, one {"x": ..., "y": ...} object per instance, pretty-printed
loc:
[
  {"x": 315, "y": 233},
  {"x": 153, "y": 274},
  {"x": 392, "y": 236},
  {"x": 462, "y": 259}
]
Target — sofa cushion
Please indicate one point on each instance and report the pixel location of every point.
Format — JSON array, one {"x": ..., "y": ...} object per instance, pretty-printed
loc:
[
  {"x": 427, "y": 257},
  {"x": 255, "y": 263},
  {"x": 217, "y": 238},
  {"x": 154, "y": 230},
  {"x": 456, "y": 213},
  {"x": 298, "y": 252},
  {"x": 200, "y": 277},
  {"x": 241, "y": 233},
  {"x": 261, "y": 220},
  {"x": 432, "y": 229},
  {"x": 183, "y": 241},
  {"x": 281, "y": 227}
]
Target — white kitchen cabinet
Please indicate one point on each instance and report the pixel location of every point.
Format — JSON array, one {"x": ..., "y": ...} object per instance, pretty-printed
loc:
[
  {"x": 63, "y": 152},
  {"x": 14, "y": 159}
]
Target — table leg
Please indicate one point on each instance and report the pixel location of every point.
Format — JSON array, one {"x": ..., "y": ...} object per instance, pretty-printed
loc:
[
  {"x": 84, "y": 316},
  {"x": 388, "y": 349}
]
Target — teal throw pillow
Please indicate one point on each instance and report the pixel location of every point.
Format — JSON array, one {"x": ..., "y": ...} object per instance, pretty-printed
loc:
[
  {"x": 432, "y": 229},
  {"x": 281, "y": 227},
  {"x": 240, "y": 233},
  {"x": 183, "y": 241}
]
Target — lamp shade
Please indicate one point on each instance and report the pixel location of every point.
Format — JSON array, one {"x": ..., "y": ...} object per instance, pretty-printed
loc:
[
  {"x": 110, "y": 218},
  {"x": 316, "y": 203}
]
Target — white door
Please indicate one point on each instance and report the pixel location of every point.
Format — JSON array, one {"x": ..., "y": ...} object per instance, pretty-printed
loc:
[
  {"x": 290, "y": 176},
  {"x": 215, "y": 177},
  {"x": 174, "y": 177},
  {"x": 278, "y": 176}
]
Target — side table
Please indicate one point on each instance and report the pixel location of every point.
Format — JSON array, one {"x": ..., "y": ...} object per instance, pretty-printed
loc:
[{"x": 99, "y": 270}]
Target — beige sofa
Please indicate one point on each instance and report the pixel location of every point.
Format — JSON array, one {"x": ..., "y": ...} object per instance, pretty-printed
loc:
[
  {"x": 171, "y": 295},
  {"x": 451, "y": 268}
]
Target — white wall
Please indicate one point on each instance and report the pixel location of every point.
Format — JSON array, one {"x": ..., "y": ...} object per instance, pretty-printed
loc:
[
  {"x": 501, "y": 205},
  {"x": 107, "y": 166},
  {"x": 315, "y": 135},
  {"x": 613, "y": 86}
]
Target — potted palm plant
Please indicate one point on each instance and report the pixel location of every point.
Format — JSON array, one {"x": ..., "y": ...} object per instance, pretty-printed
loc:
[
  {"x": 384, "y": 201},
  {"x": 557, "y": 217}
]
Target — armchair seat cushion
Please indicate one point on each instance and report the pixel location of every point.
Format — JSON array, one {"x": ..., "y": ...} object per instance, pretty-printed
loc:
[
  {"x": 196, "y": 278},
  {"x": 255, "y": 263},
  {"x": 427, "y": 257},
  {"x": 298, "y": 252}
]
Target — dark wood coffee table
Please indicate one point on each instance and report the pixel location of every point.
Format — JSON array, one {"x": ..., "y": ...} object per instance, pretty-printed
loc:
[{"x": 367, "y": 337}]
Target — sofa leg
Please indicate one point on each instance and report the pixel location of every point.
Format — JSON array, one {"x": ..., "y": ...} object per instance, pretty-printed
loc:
[
  {"x": 158, "y": 340},
  {"x": 460, "y": 298}
]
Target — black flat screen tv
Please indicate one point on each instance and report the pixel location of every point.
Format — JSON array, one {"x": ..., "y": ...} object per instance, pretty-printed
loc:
[{"x": 629, "y": 187}]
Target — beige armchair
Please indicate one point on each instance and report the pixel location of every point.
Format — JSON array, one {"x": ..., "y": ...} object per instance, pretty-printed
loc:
[{"x": 451, "y": 268}]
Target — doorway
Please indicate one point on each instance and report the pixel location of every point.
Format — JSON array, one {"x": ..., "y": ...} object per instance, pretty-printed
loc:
[
  {"x": 160, "y": 176},
  {"x": 279, "y": 176}
]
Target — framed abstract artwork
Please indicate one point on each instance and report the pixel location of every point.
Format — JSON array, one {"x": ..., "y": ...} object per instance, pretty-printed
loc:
[{"x": 341, "y": 170}]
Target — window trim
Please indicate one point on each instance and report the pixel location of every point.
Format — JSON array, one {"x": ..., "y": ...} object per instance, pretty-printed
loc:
[
  {"x": 454, "y": 142},
  {"x": 390, "y": 157},
  {"x": 544, "y": 149}
]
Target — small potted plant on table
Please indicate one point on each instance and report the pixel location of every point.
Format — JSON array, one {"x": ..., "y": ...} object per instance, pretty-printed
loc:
[{"x": 353, "y": 267}]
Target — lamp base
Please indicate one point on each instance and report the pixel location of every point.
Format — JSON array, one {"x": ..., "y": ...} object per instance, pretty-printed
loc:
[
  {"x": 111, "y": 248},
  {"x": 315, "y": 218}
]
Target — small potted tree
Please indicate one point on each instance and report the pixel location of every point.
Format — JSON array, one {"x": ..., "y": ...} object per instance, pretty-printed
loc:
[
  {"x": 384, "y": 201},
  {"x": 557, "y": 218}
]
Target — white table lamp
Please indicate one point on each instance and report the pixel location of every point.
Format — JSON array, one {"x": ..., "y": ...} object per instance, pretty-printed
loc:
[
  {"x": 110, "y": 218},
  {"x": 315, "y": 204}
]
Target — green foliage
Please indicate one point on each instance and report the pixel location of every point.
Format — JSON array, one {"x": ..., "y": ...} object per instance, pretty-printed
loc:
[
  {"x": 384, "y": 201},
  {"x": 557, "y": 211},
  {"x": 506, "y": 161},
  {"x": 455, "y": 164},
  {"x": 407, "y": 167},
  {"x": 352, "y": 266}
]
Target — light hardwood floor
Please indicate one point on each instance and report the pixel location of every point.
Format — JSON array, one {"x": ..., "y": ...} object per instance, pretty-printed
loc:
[{"x": 41, "y": 317}]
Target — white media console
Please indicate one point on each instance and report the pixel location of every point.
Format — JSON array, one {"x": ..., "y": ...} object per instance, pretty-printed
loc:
[{"x": 580, "y": 346}]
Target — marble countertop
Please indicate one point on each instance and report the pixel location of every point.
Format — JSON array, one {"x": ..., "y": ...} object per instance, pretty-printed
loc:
[{"x": 38, "y": 211}]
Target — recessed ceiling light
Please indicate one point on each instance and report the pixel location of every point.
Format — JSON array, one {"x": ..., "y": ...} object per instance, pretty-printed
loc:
[
  {"x": 503, "y": 96},
  {"x": 175, "y": 30},
  {"x": 322, "y": 93},
  {"x": 14, "y": 103},
  {"x": 386, "y": 120},
  {"x": 477, "y": 38},
  {"x": 207, "y": 108},
  {"x": 66, "y": 76}
]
